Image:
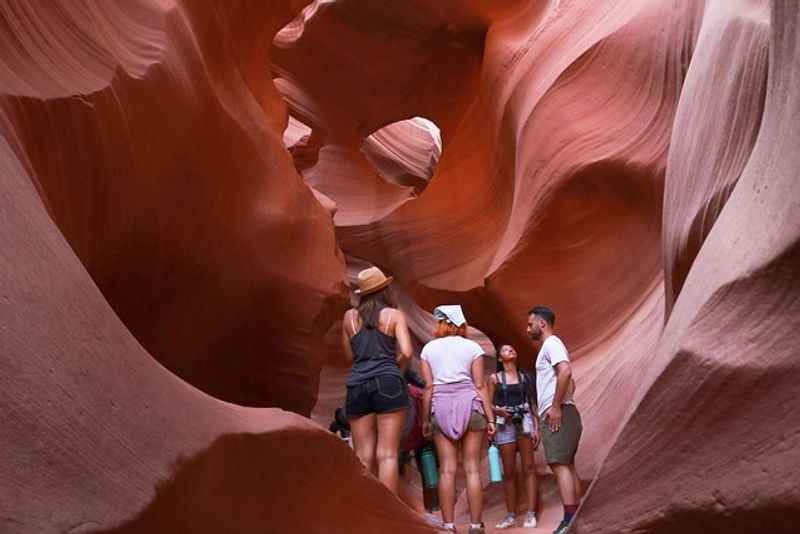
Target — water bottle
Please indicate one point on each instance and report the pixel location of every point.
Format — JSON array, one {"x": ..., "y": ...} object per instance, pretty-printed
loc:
[
  {"x": 430, "y": 472},
  {"x": 495, "y": 465},
  {"x": 527, "y": 424}
]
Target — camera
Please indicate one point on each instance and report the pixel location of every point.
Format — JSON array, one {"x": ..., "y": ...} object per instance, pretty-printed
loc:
[{"x": 517, "y": 415}]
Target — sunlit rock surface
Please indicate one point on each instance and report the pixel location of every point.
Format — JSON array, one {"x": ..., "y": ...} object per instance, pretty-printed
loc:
[{"x": 186, "y": 189}]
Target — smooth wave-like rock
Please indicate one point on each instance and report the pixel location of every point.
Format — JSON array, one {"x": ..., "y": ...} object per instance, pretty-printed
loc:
[
  {"x": 99, "y": 437},
  {"x": 175, "y": 242},
  {"x": 720, "y": 456},
  {"x": 406, "y": 152},
  {"x": 156, "y": 148},
  {"x": 587, "y": 170},
  {"x": 715, "y": 128}
]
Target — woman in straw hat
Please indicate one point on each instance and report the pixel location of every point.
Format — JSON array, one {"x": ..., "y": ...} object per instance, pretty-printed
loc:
[
  {"x": 375, "y": 336},
  {"x": 457, "y": 410}
]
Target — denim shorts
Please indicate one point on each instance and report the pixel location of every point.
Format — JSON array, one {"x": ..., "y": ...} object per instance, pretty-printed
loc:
[
  {"x": 508, "y": 432},
  {"x": 380, "y": 394}
]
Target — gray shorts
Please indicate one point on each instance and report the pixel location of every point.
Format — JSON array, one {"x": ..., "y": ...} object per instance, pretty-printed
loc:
[{"x": 560, "y": 447}]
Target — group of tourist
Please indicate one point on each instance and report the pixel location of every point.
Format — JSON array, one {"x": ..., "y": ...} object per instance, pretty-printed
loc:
[{"x": 461, "y": 406}]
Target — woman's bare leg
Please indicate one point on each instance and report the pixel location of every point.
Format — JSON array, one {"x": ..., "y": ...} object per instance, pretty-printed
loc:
[
  {"x": 508, "y": 452},
  {"x": 529, "y": 471},
  {"x": 365, "y": 437},
  {"x": 390, "y": 427},
  {"x": 473, "y": 443},
  {"x": 448, "y": 460}
]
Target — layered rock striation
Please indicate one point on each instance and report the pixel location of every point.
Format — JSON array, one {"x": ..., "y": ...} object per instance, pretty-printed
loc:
[
  {"x": 152, "y": 133},
  {"x": 177, "y": 247}
]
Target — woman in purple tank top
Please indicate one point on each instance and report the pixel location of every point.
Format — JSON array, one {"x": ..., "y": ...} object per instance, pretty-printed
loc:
[
  {"x": 457, "y": 410},
  {"x": 375, "y": 337}
]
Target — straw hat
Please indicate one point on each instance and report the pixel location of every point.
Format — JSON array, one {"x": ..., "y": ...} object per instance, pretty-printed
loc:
[{"x": 372, "y": 280}]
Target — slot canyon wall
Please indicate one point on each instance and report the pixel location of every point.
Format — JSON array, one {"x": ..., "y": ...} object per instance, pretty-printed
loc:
[{"x": 187, "y": 188}]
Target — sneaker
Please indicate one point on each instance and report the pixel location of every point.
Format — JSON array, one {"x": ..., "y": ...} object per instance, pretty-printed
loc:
[
  {"x": 507, "y": 522},
  {"x": 477, "y": 530},
  {"x": 530, "y": 520},
  {"x": 562, "y": 527}
]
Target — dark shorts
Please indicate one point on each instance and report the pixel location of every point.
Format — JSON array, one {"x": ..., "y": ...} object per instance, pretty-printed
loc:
[
  {"x": 381, "y": 394},
  {"x": 477, "y": 421},
  {"x": 560, "y": 447}
]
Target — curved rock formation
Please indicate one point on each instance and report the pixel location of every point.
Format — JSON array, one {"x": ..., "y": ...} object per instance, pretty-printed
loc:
[
  {"x": 128, "y": 130},
  {"x": 586, "y": 170},
  {"x": 139, "y": 126},
  {"x": 716, "y": 125},
  {"x": 406, "y": 152},
  {"x": 97, "y": 436},
  {"x": 719, "y": 456},
  {"x": 632, "y": 164}
]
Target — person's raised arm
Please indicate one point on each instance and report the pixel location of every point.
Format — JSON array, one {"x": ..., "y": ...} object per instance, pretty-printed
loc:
[
  {"x": 483, "y": 391},
  {"x": 564, "y": 376},
  {"x": 427, "y": 396},
  {"x": 403, "y": 337},
  {"x": 348, "y": 318}
]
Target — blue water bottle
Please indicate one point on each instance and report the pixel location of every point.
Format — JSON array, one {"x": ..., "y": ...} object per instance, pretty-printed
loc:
[
  {"x": 495, "y": 465},
  {"x": 430, "y": 472}
]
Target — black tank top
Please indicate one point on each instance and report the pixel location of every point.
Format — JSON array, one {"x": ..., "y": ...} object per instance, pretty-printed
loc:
[
  {"x": 510, "y": 394},
  {"x": 374, "y": 354}
]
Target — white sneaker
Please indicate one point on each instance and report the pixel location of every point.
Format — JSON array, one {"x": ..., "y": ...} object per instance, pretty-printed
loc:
[
  {"x": 530, "y": 520},
  {"x": 508, "y": 522}
]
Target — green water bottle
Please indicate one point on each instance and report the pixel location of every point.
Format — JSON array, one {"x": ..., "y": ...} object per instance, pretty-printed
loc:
[{"x": 430, "y": 472}]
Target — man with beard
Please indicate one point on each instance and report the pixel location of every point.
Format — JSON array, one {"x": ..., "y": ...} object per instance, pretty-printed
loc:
[{"x": 561, "y": 423}]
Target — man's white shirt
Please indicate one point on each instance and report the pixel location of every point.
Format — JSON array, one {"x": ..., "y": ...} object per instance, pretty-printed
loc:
[{"x": 551, "y": 354}]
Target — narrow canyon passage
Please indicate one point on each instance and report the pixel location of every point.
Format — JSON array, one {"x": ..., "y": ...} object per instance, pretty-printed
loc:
[{"x": 188, "y": 191}]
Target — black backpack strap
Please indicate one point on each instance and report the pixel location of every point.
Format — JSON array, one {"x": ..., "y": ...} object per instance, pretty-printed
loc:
[
  {"x": 530, "y": 390},
  {"x": 504, "y": 387}
]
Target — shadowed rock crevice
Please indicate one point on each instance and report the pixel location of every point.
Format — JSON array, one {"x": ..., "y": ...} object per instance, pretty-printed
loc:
[{"x": 224, "y": 488}]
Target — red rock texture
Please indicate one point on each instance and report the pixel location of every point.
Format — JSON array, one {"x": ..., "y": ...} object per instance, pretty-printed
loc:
[
  {"x": 97, "y": 436},
  {"x": 723, "y": 382},
  {"x": 145, "y": 190},
  {"x": 587, "y": 169},
  {"x": 151, "y": 131},
  {"x": 175, "y": 243}
]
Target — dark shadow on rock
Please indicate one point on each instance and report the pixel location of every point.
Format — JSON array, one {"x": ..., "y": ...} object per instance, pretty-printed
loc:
[{"x": 290, "y": 480}]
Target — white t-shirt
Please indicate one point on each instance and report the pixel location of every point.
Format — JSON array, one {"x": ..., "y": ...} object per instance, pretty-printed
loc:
[
  {"x": 551, "y": 354},
  {"x": 451, "y": 358}
]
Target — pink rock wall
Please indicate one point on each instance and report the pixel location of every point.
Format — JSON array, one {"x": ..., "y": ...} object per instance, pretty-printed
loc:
[
  {"x": 145, "y": 190},
  {"x": 711, "y": 436},
  {"x": 587, "y": 170},
  {"x": 161, "y": 162},
  {"x": 173, "y": 241}
]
